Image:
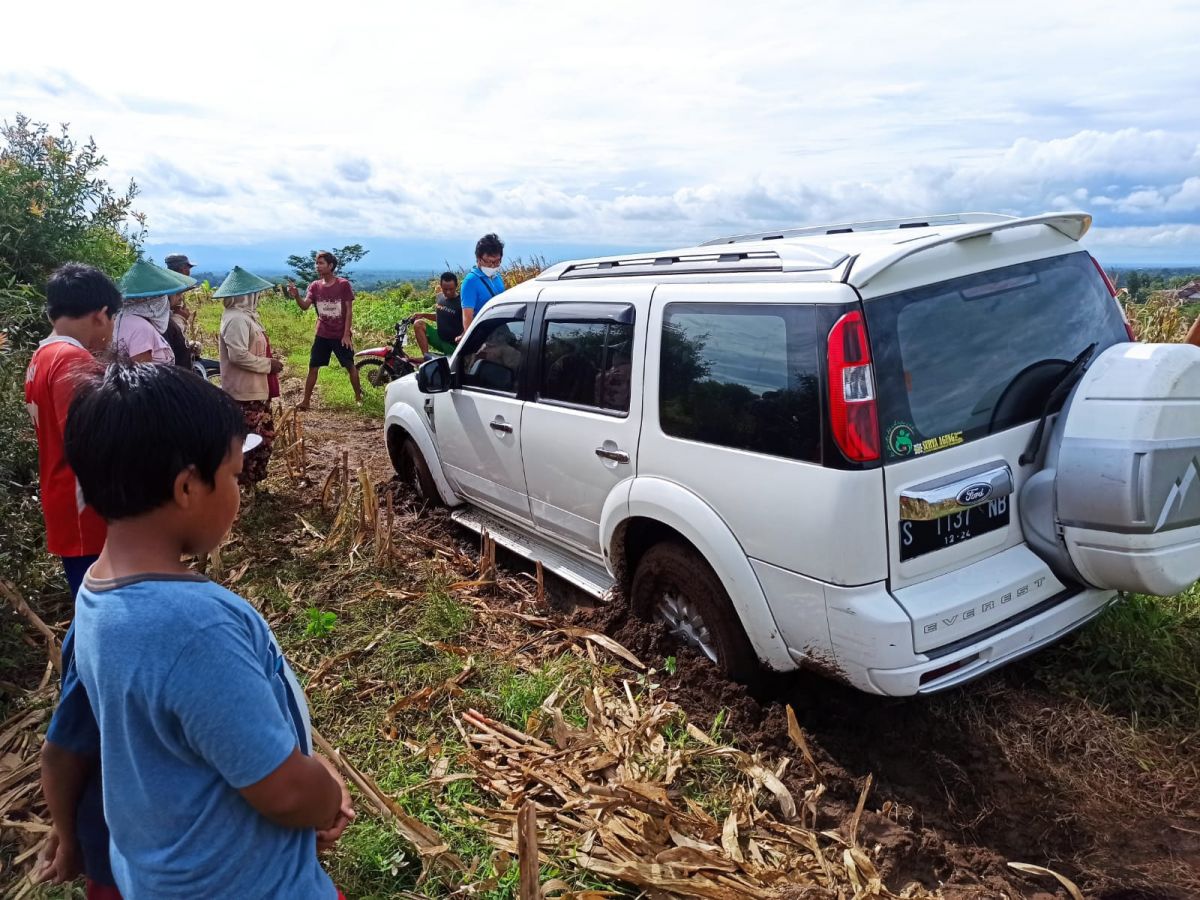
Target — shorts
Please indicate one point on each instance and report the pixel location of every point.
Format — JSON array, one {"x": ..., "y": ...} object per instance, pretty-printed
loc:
[
  {"x": 439, "y": 343},
  {"x": 323, "y": 347}
]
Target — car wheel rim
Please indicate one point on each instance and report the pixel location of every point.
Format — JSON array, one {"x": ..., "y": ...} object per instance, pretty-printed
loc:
[{"x": 683, "y": 620}]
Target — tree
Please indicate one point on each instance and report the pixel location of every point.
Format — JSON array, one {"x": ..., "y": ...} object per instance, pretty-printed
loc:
[
  {"x": 55, "y": 208},
  {"x": 1135, "y": 285},
  {"x": 305, "y": 267}
]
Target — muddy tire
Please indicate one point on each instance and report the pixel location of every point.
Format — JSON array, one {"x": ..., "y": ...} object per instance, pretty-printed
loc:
[
  {"x": 674, "y": 585},
  {"x": 374, "y": 371},
  {"x": 414, "y": 472}
]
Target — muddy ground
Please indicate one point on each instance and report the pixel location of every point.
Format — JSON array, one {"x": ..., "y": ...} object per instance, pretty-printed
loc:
[{"x": 1004, "y": 770}]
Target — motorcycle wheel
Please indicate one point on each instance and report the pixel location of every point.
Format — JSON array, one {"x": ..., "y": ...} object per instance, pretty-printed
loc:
[{"x": 376, "y": 373}]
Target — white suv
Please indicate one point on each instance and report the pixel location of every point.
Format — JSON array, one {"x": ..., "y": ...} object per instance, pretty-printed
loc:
[{"x": 903, "y": 452}]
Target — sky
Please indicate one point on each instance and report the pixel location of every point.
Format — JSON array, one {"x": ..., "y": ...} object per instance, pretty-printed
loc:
[{"x": 254, "y": 130}]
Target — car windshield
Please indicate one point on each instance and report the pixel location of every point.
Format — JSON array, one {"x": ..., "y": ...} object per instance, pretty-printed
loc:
[{"x": 965, "y": 358}]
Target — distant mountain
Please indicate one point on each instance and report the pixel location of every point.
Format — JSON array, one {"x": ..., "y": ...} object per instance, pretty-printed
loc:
[{"x": 364, "y": 278}]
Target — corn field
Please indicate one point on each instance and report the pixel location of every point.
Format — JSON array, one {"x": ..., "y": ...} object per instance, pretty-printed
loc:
[{"x": 1160, "y": 320}]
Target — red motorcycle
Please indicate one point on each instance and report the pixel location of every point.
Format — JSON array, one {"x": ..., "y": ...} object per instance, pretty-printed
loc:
[{"x": 379, "y": 365}]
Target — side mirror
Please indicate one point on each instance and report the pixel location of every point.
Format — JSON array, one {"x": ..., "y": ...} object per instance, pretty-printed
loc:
[{"x": 434, "y": 376}]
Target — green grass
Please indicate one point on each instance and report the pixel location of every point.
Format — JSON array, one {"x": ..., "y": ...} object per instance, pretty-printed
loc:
[
  {"x": 515, "y": 695},
  {"x": 1140, "y": 660},
  {"x": 291, "y": 332},
  {"x": 442, "y": 617},
  {"x": 372, "y": 860}
]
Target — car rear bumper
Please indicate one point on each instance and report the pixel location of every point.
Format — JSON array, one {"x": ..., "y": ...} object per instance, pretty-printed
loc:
[{"x": 925, "y": 674}]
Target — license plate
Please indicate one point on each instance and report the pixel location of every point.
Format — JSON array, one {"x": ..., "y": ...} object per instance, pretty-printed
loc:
[{"x": 919, "y": 538}]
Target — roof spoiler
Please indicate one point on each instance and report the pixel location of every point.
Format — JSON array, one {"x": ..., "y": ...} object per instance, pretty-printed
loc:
[{"x": 1071, "y": 224}]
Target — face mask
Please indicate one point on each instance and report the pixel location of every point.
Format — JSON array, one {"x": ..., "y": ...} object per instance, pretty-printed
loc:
[{"x": 489, "y": 271}]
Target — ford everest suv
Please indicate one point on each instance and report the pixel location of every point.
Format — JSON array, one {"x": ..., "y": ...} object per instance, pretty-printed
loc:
[{"x": 904, "y": 453}]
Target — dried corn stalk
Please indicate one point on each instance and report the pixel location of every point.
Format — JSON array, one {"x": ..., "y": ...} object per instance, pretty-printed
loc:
[
  {"x": 607, "y": 798},
  {"x": 24, "y": 820},
  {"x": 290, "y": 445},
  {"x": 1158, "y": 320}
]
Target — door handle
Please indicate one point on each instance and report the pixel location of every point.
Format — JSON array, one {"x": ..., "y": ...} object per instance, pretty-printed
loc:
[
  {"x": 615, "y": 455},
  {"x": 500, "y": 426}
]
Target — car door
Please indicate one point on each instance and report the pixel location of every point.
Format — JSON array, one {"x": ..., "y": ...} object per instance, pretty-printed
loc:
[
  {"x": 580, "y": 427},
  {"x": 478, "y": 421}
]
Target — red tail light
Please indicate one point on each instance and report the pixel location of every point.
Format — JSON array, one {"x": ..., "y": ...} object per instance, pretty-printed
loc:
[
  {"x": 1107, "y": 281},
  {"x": 1112, "y": 290},
  {"x": 852, "y": 411}
]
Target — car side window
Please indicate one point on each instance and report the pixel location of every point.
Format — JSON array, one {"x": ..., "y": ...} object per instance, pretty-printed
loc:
[
  {"x": 493, "y": 354},
  {"x": 588, "y": 363},
  {"x": 742, "y": 376}
]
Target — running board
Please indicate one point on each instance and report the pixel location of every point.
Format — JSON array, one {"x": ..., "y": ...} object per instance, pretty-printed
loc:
[{"x": 589, "y": 577}]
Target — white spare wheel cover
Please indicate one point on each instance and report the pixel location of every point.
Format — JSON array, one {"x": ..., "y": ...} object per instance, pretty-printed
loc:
[{"x": 1125, "y": 463}]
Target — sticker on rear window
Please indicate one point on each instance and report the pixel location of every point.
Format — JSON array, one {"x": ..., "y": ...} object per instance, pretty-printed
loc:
[
  {"x": 953, "y": 439},
  {"x": 902, "y": 440}
]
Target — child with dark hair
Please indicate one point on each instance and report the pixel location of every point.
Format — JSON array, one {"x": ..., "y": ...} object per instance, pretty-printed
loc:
[
  {"x": 210, "y": 786},
  {"x": 80, "y": 302}
]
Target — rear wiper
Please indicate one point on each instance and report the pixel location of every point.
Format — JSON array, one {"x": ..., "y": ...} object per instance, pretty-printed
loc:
[{"x": 1066, "y": 382}]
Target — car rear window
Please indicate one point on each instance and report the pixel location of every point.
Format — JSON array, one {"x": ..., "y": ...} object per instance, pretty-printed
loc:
[{"x": 965, "y": 358}]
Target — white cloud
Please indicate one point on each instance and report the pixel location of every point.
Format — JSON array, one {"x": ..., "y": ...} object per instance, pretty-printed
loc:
[
  {"x": 621, "y": 123},
  {"x": 1147, "y": 236},
  {"x": 356, "y": 169}
]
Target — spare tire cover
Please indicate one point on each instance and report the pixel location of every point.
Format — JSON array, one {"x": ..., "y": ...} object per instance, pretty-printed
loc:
[{"x": 1117, "y": 505}]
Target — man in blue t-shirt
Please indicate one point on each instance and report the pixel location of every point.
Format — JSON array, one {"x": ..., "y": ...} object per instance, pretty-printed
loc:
[
  {"x": 210, "y": 785},
  {"x": 483, "y": 282}
]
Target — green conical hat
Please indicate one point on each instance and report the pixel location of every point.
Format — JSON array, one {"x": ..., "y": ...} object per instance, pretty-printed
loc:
[
  {"x": 144, "y": 279},
  {"x": 239, "y": 282}
]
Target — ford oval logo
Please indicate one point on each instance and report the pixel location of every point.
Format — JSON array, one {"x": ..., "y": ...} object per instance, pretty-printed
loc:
[{"x": 974, "y": 493}]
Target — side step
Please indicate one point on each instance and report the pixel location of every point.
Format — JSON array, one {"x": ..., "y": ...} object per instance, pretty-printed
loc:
[{"x": 589, "y": 577}]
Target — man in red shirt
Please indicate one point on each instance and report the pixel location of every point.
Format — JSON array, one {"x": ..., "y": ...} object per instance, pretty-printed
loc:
[
  {"x": 334, "y": 299},
  {"x": 81, "y": 302}
]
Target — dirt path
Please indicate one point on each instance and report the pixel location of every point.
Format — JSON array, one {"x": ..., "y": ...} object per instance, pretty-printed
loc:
[{"x": 963, "y": 783}]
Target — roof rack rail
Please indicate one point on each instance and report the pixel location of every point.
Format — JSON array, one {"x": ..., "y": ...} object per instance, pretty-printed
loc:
[
  {"x": 676, "y": 264},
  {"x": 874, "y": 225}
]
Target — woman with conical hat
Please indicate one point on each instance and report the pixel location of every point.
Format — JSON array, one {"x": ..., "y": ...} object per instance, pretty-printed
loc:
[
  {"x": 140, "y": 327},
  {"x": 247, "y": 365}
]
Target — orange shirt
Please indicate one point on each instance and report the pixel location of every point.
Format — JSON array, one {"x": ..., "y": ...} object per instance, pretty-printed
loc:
[{"x": 72, "y": 527}]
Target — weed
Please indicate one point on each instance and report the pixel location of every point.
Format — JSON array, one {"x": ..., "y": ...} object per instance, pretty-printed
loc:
[
  {"x": 515, "y": 696},
  {"x": 508, "y": 884},
  {"x": 1141, "y": 660},
  {"x": 442, "y": 617},
  {"x": 718, "y": 725},
  {"x": 372, "y": 860},
  {"x": 670, "y": 665},
  {"x": 318, "y": 623}
]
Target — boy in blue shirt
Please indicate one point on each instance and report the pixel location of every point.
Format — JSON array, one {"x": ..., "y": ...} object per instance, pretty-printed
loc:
[
  {"x": 483, "y": 282},
  {"x": 210, "y": 786}
]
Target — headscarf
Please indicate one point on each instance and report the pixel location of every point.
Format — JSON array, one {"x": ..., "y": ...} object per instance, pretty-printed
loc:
[
  {"x": 155, "y": 310},
  {"x": 245, "y": 302}
]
